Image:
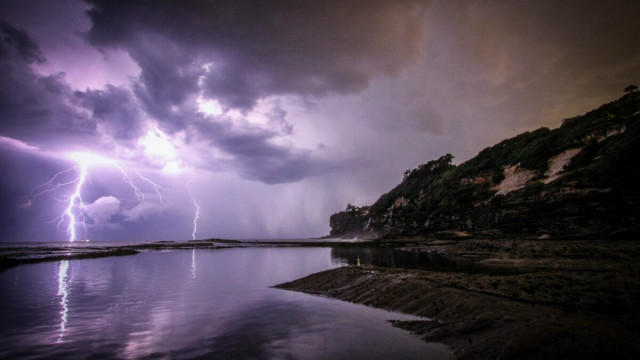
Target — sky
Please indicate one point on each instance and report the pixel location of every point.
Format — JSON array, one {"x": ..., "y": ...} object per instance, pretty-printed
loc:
[{"x": 172, "y": 120}]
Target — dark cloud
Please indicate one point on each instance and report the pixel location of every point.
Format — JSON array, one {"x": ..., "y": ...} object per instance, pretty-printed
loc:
[
  {"x": 116, "y": 110},
  {"x": 240, "y": 52},
  {"x": 168, "y": 80},
  {"x": 16, "y": 43},
  {"x": 45, "y": 110},
  {"x": 255, "y": 155},
  {"x": 35, "y": 107},
  {"x": 277, "y": 117},
  {"x": 258, "y": 49}
]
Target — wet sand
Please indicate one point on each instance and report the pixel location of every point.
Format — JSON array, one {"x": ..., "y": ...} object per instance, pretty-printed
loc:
[{"x": 543, "y": 299}]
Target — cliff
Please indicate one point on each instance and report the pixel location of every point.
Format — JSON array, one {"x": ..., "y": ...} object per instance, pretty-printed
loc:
[{"x": 577, "y": 181}]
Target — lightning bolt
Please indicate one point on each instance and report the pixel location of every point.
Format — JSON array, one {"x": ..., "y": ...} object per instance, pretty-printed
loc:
[
  {"x": 49, "y": 186},
  {"x": 197, "y": 214},
  {"x": 74, "y": 201},
  {"x": 76, "y": 197},
  {"x": 76, "y": 210},
  {"x": 127, "y": 180},
  {"x": 157, "y": 188}
]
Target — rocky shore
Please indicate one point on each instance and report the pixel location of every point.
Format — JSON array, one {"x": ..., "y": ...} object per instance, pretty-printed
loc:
[{"x": 522, "y": 299}]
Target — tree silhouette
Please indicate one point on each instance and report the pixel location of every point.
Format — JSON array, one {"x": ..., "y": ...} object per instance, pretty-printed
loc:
[{"x": 631, "y": 89}]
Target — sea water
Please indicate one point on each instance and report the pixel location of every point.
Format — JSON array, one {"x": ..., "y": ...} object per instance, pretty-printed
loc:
[{"x": 184, "y": 304}]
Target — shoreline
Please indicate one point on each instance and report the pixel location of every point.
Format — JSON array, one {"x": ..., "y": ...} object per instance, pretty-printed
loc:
[
  {"x": 20, "y": 254},
  {"x": 572, "y": 299},
  {"x": 508, "y": 299}
]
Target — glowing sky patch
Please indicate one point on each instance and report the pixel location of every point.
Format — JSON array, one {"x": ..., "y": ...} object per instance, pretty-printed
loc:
[
  {"x": 159, "y": 148},
  {"x": 210, "y": 107},
  {"x": 86, "y": 159}
]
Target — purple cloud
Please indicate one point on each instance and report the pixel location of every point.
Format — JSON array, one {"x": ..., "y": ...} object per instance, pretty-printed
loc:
[
  {"x": 34, "y": 107},
  {"x": 262, "y": 49}
]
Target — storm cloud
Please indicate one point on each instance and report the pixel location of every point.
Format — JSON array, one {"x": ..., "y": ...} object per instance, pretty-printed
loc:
[
  {"x": 279, "y": 113},
  {"x": 33, "y": 107},
  {"x": 256, "y": 50}
]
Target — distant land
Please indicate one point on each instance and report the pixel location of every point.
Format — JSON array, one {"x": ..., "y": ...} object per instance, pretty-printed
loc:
[{"x": 579, "y": 181}]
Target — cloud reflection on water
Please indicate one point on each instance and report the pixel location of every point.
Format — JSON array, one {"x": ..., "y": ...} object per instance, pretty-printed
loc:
[{"x": 170, "y": 304}]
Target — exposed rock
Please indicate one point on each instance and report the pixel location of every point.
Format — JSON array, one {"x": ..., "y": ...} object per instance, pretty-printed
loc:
[
  {"x": 400, "y": 202},
  {"x": 602, "y": 137},
  {"x": 557, "y": 164},
  {"x": 515, "y": 178}
]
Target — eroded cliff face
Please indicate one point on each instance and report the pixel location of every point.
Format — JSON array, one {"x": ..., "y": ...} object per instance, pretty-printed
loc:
[{"x": 580, "y": 180}]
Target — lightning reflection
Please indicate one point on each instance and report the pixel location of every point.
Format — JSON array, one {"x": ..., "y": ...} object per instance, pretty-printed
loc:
[
  {"x": 193, "y": 263},
  {"x": 63, "y": 292}
]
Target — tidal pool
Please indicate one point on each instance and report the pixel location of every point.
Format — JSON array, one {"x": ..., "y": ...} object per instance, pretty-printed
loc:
[{"x": 184, "y": 304}]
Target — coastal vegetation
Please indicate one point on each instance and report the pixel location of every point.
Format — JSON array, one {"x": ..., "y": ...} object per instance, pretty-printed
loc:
[{"x": 578, "y": 180}]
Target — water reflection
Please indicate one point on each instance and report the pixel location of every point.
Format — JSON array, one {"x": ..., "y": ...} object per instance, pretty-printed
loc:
[
  {"x": 63, "y": 292},
  {"x": 418, "y": 260},
  {"x": 193, "y": 264},
  {"x": 144, "y": 341},
  {"x": 172, "y": 305}
]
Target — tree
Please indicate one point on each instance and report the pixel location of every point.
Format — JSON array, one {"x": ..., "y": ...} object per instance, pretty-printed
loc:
[{"x": 631, "y": 89}]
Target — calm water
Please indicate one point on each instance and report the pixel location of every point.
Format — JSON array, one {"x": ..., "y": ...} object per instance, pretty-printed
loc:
[
  {"x": 423, "y": 260},
  {"x": 191, "y": 304}
]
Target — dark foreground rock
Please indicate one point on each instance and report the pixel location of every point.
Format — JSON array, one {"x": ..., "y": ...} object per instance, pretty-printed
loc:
[{"x": 561, "y": 305}]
